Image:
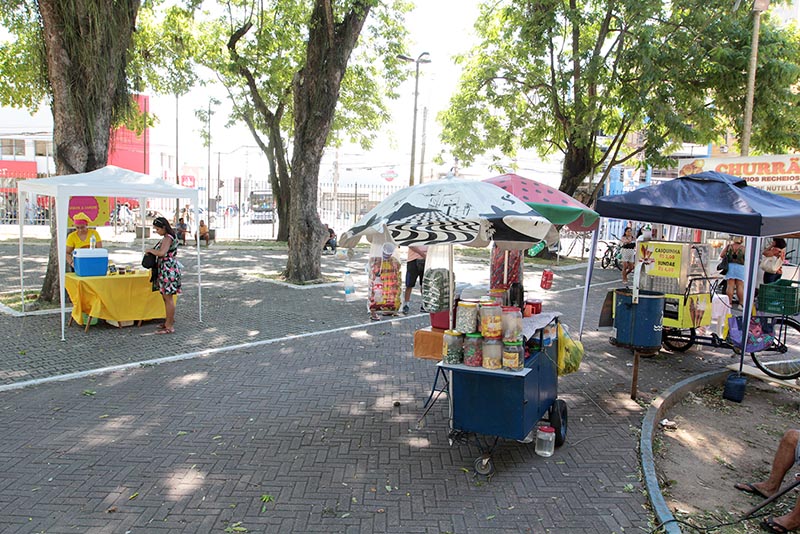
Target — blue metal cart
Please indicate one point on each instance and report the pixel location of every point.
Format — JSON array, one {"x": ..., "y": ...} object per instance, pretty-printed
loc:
[{"x": 504, "y": 404}]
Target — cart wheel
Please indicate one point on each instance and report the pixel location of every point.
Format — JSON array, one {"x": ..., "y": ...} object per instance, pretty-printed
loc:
[
  {"x": 678, "y": 340},
  {"x": 558, "y": 420},
  {"x": 484, "y": 465}
]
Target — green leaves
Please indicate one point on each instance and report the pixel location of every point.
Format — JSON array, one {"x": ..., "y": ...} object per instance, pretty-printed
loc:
[
  {"x": 617, "y": 81},
  {"x": 266, "y": 499}
]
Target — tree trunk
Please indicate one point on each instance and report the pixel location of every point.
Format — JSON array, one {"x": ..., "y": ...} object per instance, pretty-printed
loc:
[
  {"x": 577, "y": 166},
  {"x": 86, "y": 48},
  {"x": 281, "y": 184},
  {"x": 316, "y": 92}
]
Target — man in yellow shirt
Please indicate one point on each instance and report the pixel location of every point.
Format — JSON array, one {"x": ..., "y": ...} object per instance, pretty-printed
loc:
[
  {"x": 81, "y": 237},
  {"x": 202, "y": 233}
]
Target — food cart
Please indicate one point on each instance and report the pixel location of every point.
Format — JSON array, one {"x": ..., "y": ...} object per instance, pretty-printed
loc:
[
  {"x": 685, "y": 273},
  {"x": 452, "y": 211},
  {"x": 507, "y": 404},
  {"x": 681, "y": 272}
]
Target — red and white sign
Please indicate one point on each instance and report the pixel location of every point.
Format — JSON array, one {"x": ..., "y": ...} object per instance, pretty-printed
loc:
[
  {"x": 187, "y": 180},
  {"x": 776, "y": 174},
  {"x": 389, "y": 175},
  {"x": 17, "y": 169}
]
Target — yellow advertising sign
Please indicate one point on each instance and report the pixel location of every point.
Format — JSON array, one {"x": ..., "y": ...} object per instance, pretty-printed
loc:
[
  {"x": 661, "y": 259},
  {"x": 96, "y": 208},
  {"x": 779, "y": 174}
]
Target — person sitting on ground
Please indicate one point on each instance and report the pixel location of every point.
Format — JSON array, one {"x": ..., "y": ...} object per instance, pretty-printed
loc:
[
  {"x": 81, "y": 237},
  {"x": 330, "y": 242},
  {"x": 181, "y": 229},
  {"x": 202, "y": 232},
  {"x": 786, "y": 456}
]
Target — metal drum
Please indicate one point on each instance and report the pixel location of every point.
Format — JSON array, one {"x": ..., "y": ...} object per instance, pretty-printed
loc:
[{"x": 638, "y": 326}]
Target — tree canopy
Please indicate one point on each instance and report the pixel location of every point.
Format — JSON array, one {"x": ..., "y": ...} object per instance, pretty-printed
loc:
[
  {"x": 607, "y": 82},
  {"x": 255, "y": 51}
]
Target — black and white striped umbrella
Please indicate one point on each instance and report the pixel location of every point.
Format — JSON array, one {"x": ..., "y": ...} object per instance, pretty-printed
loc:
[{"x": 451, "y": 211}]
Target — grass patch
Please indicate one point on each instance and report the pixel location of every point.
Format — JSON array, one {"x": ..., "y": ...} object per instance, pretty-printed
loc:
[{"x": 11, "y": 300}]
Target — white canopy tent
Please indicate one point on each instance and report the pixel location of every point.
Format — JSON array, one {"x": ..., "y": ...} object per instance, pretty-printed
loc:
[{"x": 109, "y": 181}]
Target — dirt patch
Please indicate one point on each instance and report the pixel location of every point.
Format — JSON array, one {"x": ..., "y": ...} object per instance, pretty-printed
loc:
[{"x": 718, "y": 443}]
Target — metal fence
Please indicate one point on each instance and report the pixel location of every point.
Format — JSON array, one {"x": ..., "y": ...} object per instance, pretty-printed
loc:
[
  {"x": 339, "y": 205},
  {"x": 35, "y": 212}
]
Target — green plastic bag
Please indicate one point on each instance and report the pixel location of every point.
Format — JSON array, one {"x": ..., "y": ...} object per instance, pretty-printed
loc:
[{"x": 570, "y": 352}]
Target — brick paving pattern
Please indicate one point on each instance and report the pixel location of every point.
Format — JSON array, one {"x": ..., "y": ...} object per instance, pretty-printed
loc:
[{"x": 309, "y": 423}]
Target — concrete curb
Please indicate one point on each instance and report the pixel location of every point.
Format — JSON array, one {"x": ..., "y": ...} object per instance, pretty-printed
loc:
[{"x": 664, "y": 402}]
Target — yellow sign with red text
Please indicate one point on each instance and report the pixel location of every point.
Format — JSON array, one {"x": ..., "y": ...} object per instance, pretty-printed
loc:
[
  {"x": 661, "y": 259},
  {"x": 776, "y": 174}
]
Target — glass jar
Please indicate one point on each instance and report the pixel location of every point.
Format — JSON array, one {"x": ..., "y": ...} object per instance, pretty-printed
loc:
[
  {"x": 499, "y": 295},
  {"x": 452, "y": 347},
  {"x": 545, "y": 441},
  {"x": 492, "y": 353},
  {"x": 549, "y": 334},
  {"x": 473, "y": 350},
  {"x": 467, "y": 317},
  {"x": 513, "y": 356},
  {"x": 491, "y": 320},
  {"x": 512, "y": 324}
]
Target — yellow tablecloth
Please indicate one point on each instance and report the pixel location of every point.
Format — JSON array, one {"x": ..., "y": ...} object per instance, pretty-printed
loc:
[{"x": 119, "y": 297}]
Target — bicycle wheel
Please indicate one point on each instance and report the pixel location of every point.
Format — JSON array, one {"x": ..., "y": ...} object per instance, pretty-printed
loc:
[
  {"x": 606, "y": 261},
  {"x": 677, "y": 340},
  {"x": 782, "y": 360}
]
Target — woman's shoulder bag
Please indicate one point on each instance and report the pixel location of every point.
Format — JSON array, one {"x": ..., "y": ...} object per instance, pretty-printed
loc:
[{"x": 149, "y": 261}]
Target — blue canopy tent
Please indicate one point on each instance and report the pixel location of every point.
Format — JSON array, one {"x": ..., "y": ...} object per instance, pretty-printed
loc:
[{"x": 707, "y": 201}]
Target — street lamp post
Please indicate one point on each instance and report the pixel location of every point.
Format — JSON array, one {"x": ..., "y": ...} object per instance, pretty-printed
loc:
[
  {"x": 215, "y": 102},
  {"x": 759, "y": 6},
  {"x": 422, "y": 58}
]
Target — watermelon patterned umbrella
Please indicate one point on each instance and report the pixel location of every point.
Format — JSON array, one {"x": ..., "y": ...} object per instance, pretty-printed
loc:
[{"x": 551, "y": 203}]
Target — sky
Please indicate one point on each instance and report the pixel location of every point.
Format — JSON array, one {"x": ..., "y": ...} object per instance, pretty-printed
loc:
[
  {"x": 443, "y": 28},
  {"x": 438, "y": 80}
]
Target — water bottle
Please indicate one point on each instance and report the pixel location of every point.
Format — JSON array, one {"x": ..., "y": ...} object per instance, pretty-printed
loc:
[
  {"x": 349, "y": 287},
  {"x": 92, "y": 242}
]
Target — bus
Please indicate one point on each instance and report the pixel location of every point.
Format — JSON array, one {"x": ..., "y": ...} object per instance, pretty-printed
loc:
[{"x": 262, "y": 207}]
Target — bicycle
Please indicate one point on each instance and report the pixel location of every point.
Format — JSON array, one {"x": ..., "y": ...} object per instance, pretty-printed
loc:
[
  {"x": 781, "y": 337},
  {"x": 612, "y": 255}
]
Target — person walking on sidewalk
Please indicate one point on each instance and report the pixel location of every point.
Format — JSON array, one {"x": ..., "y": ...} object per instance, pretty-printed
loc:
[
  {"x": 786, "y": 456},
  {"x": 415, "y": 268}
]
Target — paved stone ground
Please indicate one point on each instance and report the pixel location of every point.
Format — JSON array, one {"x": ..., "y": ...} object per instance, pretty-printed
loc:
[{"x": 310, "y": 421}]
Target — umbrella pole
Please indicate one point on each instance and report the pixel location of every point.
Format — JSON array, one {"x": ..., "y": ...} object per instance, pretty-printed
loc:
[
  {"x": 589, "y": 270},
  {"x": 451, "y": 288},
  {"x": 505, "y": 268}
]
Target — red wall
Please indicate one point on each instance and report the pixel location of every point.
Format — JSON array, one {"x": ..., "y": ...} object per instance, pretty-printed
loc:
[
  {"x": 17, "y": 169},
  {"x": 128, "y": 150}
]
